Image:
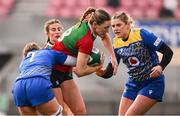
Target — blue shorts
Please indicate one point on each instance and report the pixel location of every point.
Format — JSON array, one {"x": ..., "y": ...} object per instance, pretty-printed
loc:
[
  {"x": 32, "y": 91},
  {"x": 152, "y": 88}
]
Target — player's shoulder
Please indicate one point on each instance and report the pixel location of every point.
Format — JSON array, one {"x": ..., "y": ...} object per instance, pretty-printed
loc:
[
  {"x": 139, "y": 31},
  {"x": 145, "y": 31}
]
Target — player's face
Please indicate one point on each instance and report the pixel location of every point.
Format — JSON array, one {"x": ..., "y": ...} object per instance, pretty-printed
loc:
[
  {"x": 55, "y": 31},
  {"x": 120, "y": 29},
  {"x": 102, "y": 29}
]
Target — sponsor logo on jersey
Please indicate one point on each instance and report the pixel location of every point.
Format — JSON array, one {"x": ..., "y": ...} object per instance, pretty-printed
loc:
[
  {"x": 150, "y": 92},
  {"x": 133, "y": 61},
  {"x": 156, "y": 43}
]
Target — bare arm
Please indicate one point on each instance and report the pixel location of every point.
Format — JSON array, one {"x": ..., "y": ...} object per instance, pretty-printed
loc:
[
  {"x": 82, "y": 68},
  {"x": 107, "y": 43}
]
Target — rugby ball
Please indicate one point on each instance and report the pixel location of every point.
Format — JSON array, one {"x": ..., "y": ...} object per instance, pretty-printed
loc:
[{"x": 95, "y": 57}]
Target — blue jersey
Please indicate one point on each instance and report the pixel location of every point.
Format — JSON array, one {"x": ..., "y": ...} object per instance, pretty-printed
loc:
[
  {"x": 138, "y": 53},
  {"x": 39, "y": 63}
]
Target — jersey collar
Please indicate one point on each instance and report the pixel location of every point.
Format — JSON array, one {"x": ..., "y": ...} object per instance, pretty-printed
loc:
[{"x": 49, "y": 45}]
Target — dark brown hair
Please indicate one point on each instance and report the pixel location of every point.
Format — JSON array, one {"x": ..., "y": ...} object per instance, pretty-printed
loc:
[
  {"x": 100, "y": 16},
  {"x": 97, "y": 15},
  {"x": 88, "y": 11}
]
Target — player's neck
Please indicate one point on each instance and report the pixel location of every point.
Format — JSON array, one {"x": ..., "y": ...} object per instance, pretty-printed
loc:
[{"x": 126, "y": 36}]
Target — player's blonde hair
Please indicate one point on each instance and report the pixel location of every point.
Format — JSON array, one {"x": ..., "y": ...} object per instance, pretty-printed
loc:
[
  {"x": 29, "y": 47},
  {"x": 124, "y": 17}
]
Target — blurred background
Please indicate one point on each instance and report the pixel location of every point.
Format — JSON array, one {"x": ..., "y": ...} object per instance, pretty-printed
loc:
[{"x": 22, "y": 21}]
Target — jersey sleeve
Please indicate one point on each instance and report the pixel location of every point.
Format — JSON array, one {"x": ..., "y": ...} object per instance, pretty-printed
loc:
[
  {"x": 64, "y": 59},
  {"x": 85, "y": 47},
  {"x": 59, "y": 57},
  {"x": 85, "y": 44},
  {"x": 150, "y": 39}
]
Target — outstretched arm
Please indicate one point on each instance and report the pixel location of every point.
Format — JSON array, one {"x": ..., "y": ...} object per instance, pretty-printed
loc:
[{"x": 107, "y": 43}]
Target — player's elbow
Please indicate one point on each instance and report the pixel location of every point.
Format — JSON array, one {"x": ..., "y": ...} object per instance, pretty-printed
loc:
[
  {"x": 171, "y": 53},
  {"x": 79, "y": 73}
]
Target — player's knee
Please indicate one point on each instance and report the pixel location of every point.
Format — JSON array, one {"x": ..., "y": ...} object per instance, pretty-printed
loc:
[
  {"x": 54, "y": 112},
  {"x": 80, "y": 111},
  {"x": 59, "y": 111}
]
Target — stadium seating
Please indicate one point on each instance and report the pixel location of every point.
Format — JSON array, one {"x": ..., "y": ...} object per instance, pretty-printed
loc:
[
  {"x": 138, "y": 13},
  {"x": 65, "y": 8},
  {"x": 141, "y": 4},
  {"x": 177, "y": 13},
  {"x": 156, "y": 4},
  {"x": 65, "y": 12},
  {"x": 5, "y": 6},
  {"x": 151, "y": 13},
  {"x": 127, "y": 3},
  {"x": 84, "y": 3},
  {"x": 100, "y": 3}
]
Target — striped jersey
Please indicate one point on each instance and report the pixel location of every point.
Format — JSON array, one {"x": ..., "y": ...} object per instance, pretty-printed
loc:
[
  {"x": 138, "y": 53},
  {"x": 75, "y": 39},
  {"x": 40, "y": 63}
]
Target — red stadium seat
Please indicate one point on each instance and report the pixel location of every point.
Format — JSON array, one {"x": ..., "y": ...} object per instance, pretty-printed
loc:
[
  {"x": 56, "y": 3},
  {"x": 177, "y": 13},
  {"x": 158, "y": 4},
  {"x": 78, "y": 12},
  {"x": 152, "y": 13},
  {"x": 65, "y": 12},
  {"x": 141, "y": 3},
  {"x": 3, "y": 11},
  {"x": 124, "y": 9},
  {"x": 84, "y": 3},
  {"x": 7, "y": 3},
  {"x": 70, "y": 3},
  {"x": 137, "y": 13},
  {"x": 100, "y": 3},
  {"x": 51, "y": 12},
  {"x": 127, "y": 3},
  {"x": 5, "y": 6}
]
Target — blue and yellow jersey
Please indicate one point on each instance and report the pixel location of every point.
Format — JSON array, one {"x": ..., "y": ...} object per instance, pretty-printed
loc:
[{"x": 138, "y": 53}]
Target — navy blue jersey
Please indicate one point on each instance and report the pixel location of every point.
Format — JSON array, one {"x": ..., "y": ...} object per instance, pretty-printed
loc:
[
  {"x": 40, "y": 63},
  {"x": 138, "y": 53}
]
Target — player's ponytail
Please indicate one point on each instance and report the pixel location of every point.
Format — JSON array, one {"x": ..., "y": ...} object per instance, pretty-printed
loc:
[
  {"x": 100, "y": 16},
  {"x": 88, "y": 11}
]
